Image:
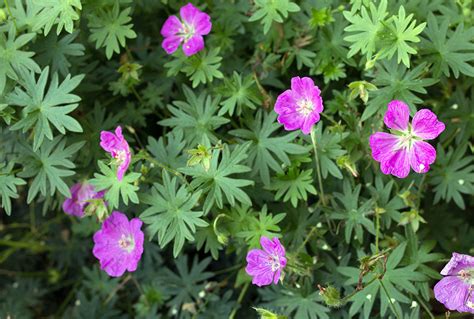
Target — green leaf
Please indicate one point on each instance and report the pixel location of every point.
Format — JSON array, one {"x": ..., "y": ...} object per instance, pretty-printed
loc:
[
  {"x": 207, "y": 238},
  {"x": 60, "y": 12},
  {"x": 272, "y": 10},
  {"x": 218, "y": 181},
  {"x": 203, "y": 67},
  {"x": 116, "y": 189},
  {"x": 449, "y": 51},
  {"x": 12, "y": 59},
  {"x": 239, "y": 94},
  {"x": 168, "y": 150},
  {"x": 8, "y": 184},
  {"x": 49, "y": 165},
  {"x": 55, "y": 53},
  {"x": 329, "y": 150},
  {"x": 268, "y": 152},
  {"x": 403, "y": 30},
  {"x": 353, "y": 215},
  {"x": 196, "y": 117},
  {"x": 453, "y": 175},
  {"x": 171, "y": 216},
  {"x": 43, "y": 107},
  {"x": 396, "y": 82},
  {"x": 294, "y": 186},
  {"x": 110, "y": 29},
  {"x": 365, "y": 28},
  {"x": 264, "y": 224}
]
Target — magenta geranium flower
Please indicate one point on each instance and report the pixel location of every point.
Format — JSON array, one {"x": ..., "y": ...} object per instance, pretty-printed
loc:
[
  {"x": 265, "y": 266},
  {"x": 456, "y": 290},
  {"x": 189, "y": 30},
  {"x": 299, "y": 107},
  {"x": 119, "y": 244},
  {"x": 118, "y": 147},
  {"x": 406, "y": 146},
  {"x": 81, "y": 193}
]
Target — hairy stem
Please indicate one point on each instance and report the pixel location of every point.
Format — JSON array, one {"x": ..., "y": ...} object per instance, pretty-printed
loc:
[
  {"x": 318, "y": 169},
  {"x": 239, "y": 300}
]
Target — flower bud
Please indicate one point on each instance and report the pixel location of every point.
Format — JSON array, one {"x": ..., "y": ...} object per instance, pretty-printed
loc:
[
  {"x": 331, "y": 296},
  {"x": 266, "y": 314},
  {"x": 3, "y": 15}
]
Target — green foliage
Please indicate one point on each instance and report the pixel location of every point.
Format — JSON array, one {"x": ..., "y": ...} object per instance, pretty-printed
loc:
[
  {"x": 125, "y": 189},
  {"x": 110, "y": 29},
  {"x": 294, "y": 186},
  {"x": 171, "y": 216},
  {"x": 8, "y": 186},
  {"x": 43, "y": 107},
  {"x": 238, "y": 93},
  {"x": 272, "y": 10},
  {"x": 60, "y": 12}
]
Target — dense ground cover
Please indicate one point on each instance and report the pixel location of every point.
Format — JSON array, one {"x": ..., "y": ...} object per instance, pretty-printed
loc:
[{"x": 236, "y": 159}]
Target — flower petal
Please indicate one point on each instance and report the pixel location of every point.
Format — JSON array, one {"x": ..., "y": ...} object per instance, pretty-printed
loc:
[
  {"x": 397, "y": 115},
  {"x": 189, "y": 13},
  {"x": 398, "y": 164},
  {"x": 426, "y": 125},
  {"x": 171, "y": 27},
  {"x": 193, "y": 45},
  {"x": 452, "y": 292},
  {"x": 457, "y": 263},
  {"x": 171, "y": 44},
  {"x": 303, "y": 87},
  {"x": 422, "y": 155},
  {"x": 309, "y": 122},
  {"x": 383, "y": 145}
]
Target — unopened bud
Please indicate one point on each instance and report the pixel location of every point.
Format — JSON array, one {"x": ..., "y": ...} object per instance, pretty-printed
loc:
[
  {"x": 331, "y": 296},
  {"x": 3, "y": 15}
]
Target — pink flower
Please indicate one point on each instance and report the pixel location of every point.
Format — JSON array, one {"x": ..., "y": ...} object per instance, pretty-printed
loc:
[
  {"x": 119, "y": 244},
  {"x": 81, "y": 193},
  {"x": 117, "y": 146},
  {"x": 299, "y": 107},
  {"x": 397, "y": 152},
  {"x": 190, "y": 30},
  {"x": 456, "y": 290},
  {"x": 265, "y": 265}
]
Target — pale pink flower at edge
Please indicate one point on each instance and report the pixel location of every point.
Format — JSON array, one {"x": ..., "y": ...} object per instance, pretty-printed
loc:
[
  {"x": 81, "y": 193},
  {"x": 118, "y": 148},
  {"x": 406, "y": 147},
  {"x": 299, "y": 107},
  {"x": 119, "y": 244},
  {"x": 265, "y": 266},
  {"x": 456, "y": 289},
  {"x": 189, "y": 30}
]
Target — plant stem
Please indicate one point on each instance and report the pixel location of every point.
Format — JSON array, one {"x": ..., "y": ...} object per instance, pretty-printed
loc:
[
  {"x": 239, "y": 301},
  {"x": 377, "y": 231},
  {"x": 390, "y": 299},
  {"x": 318, "y": 169},
  {"x": 308, "y": 237},
  {"x": 422, "y": 303},
  {"x": 355, "y": 292},
  {"x": 11, "y": 15},
  {"x": 113, "y": 292}
]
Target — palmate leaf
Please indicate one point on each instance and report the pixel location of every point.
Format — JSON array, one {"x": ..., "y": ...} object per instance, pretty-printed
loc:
[
  {"x": 239, "y": 93},
  {"x": 56, "y": 52},
  {"x": 272, "y": 10},
  {"x": 449, "y": 51},
  {"x": 268, "y": 152},
  {"x": 403, "y": 30},
  {"x": 453, "y": 175},
  {"x": 364, "y": 28},
  {"x": 398, "y": 281},
  {"x": 329, "y": 150},
  {"x": 12, "y": 59},
  {"x": 43, "y": 107},
  {"x": 110, "y": 29},
  {"x": 203, "y": 67},
  {"x": 168, "y": 149},
  {"x": 8, "y": 184},
  {"x": 170, "y": 215},
  {"x": 353, "y": 215},
  {"x": 60, "y": 12},
  {"x": 49, "y": 165},
  {"x": 115, "y": 189},
  {"x": 382, "y": 194},
  {"x": 396, "y": 82},
  {"x": 217, "y": 182},
  {"x": 256, "y": 226},
  {"x": 294, "y": 186},
  {"x": 300, "y": 303},
  {"x": 206, "y": 238},
  {"x": 196, "y": 117}
]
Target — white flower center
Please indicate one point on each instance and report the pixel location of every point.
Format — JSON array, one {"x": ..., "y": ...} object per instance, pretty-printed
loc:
[
  {"x": 126, "y": 243},
  {"x": 274, "y": 262},
  {"x": 121, "y": 156},
  {"x": 187, "y": 31},
  {"x": 305, "y": 107}
]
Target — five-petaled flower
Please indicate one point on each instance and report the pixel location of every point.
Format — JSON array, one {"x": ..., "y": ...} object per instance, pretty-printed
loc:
[
  {"x": 299, "y": 107},
  {"x": 456, "y": 289},
  {"x": 265, "y": 266},
  {"x": 189, "y": 31},
  {"x": 406, "y": 146},
  {"x": 81, "y": 193},
  {"x": 118, "y": 147},
  {"x": 119, "y": 244}
]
